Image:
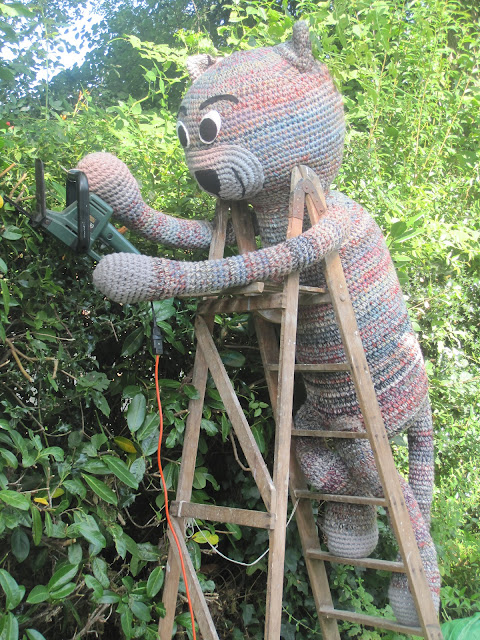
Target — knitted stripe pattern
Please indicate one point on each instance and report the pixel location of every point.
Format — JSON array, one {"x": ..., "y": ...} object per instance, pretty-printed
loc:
[{"x": 244, "y": 123}]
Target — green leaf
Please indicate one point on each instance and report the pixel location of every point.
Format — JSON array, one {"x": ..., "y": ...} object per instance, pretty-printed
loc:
[
  {"x": 108, "y": 597},
  {"x": 14, "y": 499},
  {"x": 164, "y": 309},
  {"x": 155, "y": 581},
  {"x": 233, "y": 358},
  {"x": 136, "y": 412},
  {"x": 101, "y": 489},
  {"x": 11, "y": 232},
  {"x": 94, "y": 584},
  {"x": 133, "y": 342},
  {"x": 20, "y": 544},
  {"x": 56, "y": 452},
  {"x": 37, "y": 527},
  {"x": 99, "y": 568},
  {"x": 120, "y": 469},
  {"x": 5, "y": 295},
  {"x": 33, "y": 634},
  {"x": 462, "y": 629},
  {"x": 9, "y": 457},
  {"x": 75, "y": 486},
  {"x": 13, "y": 592},
  {"x": 75, "y": 553},
  {"x": 10, "y": 627},
  {"x": 137, "y": 469},
  {"x": 209, "y": 426},
  {"x": 62, "y": 576},
  {"x": 63, "y": 592},
  {"x": 38, "y": 594},
  {"x": 191, "y": 392},
  {"x": 140, "y": 610},
  {"x": 92, "y": 533}
]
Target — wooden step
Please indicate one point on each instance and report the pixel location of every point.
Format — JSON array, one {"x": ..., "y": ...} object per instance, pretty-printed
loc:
[
  {"x": 323, "y": 433},
  {"x": 369, "y": 621},
  {"x": 304, "y": 494},
  {"x": 242, "y": 304},
  {"x": 241, "y": 517},
  {"x": 369, "y": 563},
  {"x": 328, "y": 367}
]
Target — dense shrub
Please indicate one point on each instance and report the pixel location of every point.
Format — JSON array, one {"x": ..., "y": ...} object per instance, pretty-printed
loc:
[{"x": 81, "y": 511}]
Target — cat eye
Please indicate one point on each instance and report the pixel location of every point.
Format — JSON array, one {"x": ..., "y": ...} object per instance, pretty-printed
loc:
[
  {"x": 182, "y": 134},
  {"x": 210, "y": 127}
]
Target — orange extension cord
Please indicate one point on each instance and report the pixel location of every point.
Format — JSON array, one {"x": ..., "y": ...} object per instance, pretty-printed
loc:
[{"x": 182, "y": 563}]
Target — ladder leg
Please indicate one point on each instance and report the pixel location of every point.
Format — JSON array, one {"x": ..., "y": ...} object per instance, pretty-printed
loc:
[
  {"x": 317, "y": 572},
  {"x": 283, "y": 421},
  {"x": 184, "y": 490}
]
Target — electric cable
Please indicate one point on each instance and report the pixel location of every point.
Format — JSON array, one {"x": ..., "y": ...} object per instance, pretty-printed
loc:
[{"x": 164, "y": 485}]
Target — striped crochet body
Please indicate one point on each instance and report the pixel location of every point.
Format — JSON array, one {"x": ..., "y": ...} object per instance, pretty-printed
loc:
[
  {"x": 392, "y": 350},
  {"x": 246, "y": 121}
]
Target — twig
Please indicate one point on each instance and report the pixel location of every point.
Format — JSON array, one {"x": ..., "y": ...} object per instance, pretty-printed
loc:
[
  {"x": 19, "y": 182},
  {"x": 92, "y": 619},
  {"x": 17, "y": 360},
  {"x": 235, "y": 453},
  {"x": 150, "y": 523},
  {"x": 7, "y": 169},
  {"x": 47, "y": 613}
]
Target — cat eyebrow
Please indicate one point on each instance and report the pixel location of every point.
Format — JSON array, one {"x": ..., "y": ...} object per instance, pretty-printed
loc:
[{"x": 224, "y": 96}]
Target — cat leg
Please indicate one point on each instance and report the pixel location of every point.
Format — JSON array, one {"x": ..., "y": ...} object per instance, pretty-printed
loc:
[
  {"x": 359, "y": 460},
  {"x": 350, "y": 529}
]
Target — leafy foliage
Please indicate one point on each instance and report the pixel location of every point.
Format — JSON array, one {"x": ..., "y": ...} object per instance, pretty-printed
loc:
[{"x": 81, "y": 512}]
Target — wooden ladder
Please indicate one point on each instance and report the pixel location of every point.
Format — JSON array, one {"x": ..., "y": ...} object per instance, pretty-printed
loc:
[{"x": 280, "y": 304}]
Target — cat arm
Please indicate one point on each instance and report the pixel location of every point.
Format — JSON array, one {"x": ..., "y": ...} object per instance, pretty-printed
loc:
[
  {"x": 132, "y": 278},
  {"x": 110, "y": 179}
]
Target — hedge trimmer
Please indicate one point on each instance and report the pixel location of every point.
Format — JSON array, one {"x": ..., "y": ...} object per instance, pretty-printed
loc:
[{"x": 84, "y": 222}]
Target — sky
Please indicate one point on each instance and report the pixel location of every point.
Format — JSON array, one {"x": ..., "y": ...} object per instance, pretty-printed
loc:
[{"x": 67, "y": 59}]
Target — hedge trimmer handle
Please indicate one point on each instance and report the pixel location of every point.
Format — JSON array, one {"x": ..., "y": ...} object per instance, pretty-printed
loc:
[{"x": 77, "y": 191}]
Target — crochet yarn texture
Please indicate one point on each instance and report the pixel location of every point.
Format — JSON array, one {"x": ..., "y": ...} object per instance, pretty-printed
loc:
[{"x": 244, "y": 123}]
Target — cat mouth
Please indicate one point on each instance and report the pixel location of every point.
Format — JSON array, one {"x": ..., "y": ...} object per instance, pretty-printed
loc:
[{"x": 227, "y": 171}]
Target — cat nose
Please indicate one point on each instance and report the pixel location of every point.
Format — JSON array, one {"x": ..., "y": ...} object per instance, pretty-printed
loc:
[{"x": 208, "y": 180}]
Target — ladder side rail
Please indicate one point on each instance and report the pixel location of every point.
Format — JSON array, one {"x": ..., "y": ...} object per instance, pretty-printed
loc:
[
  {"x": 265, "y": 331},
  {"x": 283, "y": 422},
  {"x": 190, "y": 446},
  {"x": 370, "y": 408},
  {"x": 199, "y": 603}
]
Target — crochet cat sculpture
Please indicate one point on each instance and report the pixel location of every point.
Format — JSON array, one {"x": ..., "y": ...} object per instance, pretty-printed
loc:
[{"x": 244, "y": 123}]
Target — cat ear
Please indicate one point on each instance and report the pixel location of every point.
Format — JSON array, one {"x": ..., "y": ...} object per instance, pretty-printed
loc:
[
  {"x": 298, "y": 51},
  {"x": 196, "y": 65}
]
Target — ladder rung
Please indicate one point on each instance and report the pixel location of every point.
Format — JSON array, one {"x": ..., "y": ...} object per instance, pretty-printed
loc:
[
  {"x": 331, "y": 497},
  {"x": 322, "y": 433},
  {"x": 312, "y": 368},
  {"x": 304, "y": 289},
  {"x": 369, "y": 621},
  {"x": 369, "y": 563},
  {"x": 242, "y": 304},
  {"x": 271, "y": 287},
  {"x": 241, "y": 517}
]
